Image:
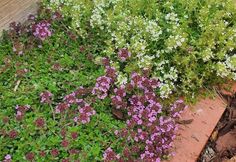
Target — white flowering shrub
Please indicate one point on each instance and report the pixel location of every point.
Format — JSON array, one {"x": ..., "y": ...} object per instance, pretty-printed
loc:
[{"x": 184, "y": 44}]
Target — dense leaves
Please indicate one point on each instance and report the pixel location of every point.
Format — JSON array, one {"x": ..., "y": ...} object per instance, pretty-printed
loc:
[{"x": 187, "y": 46}]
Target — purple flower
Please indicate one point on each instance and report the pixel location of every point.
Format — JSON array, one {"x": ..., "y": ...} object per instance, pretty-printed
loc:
[
  {"x": 42, "y": 30},
  {"x": 45, "y": 97},
  {"x": 124, "y": 54},
  {"x": 7, "y": 158},
  {"x": 61, "y": 107},
  {"x": 21, "y": 110},
  {"x": 71, "y": 98},
  {"x": 85, "y": 114},
  {"x": 110, "y": 155},
  {"x": 111, "y": 72},
  {"x": 102, "y": 87}
]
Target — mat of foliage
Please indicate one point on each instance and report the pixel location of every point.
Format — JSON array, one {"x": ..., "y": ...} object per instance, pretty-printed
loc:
[
  {"x": 59, "y": 103},
  {"x": 187, "y": 46}
]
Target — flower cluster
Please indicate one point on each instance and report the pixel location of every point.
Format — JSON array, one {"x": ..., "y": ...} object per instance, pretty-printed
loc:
[
  {"x": 145, "y": 125},
  {"x": 13, "y": 134},
  {"x": 39, "y": 122},
  {"x": 84, "y": 110},
  {"x": 117, "y": 100},
  {"x": 45, "y": 97},
  {"x": 62, "y": 107},
  {"x": 202, "y": 47},
  {"x": 227, "y": 68},
  {"x": 30, "y": 156},
  {"x": 102, "y": 86},
  {"x": 148, "y": 131},
  {"x": 104, "y": 83},
  {"x": 7, "y": 158},
  {"x": 71, "y": 98},
  {"x": 84, "y": 114},
  {"x": 42, "y": 30},
  {"x": 21, "y": 110},
  {"x": 124, "y": 54},
  {"x": 109, "y": 155}
]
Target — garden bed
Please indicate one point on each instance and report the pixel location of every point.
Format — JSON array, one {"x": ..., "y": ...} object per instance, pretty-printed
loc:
[{"x": 81, "y": 82}]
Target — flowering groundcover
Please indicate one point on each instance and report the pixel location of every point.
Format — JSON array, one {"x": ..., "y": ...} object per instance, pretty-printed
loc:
[{"x": 82, "y": 83}]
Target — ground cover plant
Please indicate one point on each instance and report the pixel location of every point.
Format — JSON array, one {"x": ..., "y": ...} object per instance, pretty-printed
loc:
[
  {"x": 187, "y": 46},
  {"x": 59, "y": 103},
  {"x": 92, "y": 80}
]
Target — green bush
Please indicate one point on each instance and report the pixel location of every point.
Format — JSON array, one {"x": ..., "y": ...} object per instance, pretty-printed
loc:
[{"x": 187, "y": 45}]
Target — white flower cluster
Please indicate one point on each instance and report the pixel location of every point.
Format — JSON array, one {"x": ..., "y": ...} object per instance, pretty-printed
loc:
[
  {"x": 207, "y": 54},
  {"x": 165, "y": 90},
  {"x": 98, "y": 18},
  {"x": 156, "y": 39},
  {"x": 174, "y": 42},
  {"x": 231, "y": 62},
  {"x": 172, "y": 17},
  {"x": 145, "y": 62},
  {"x": 227, "y": 68},
  {"x": 222, "y": 70},
  {"x": 154, "y": 30},
  {"x": 122, "y": 79}
]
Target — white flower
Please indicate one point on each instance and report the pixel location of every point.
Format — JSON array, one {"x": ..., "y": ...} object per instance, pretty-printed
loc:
[
  {"x": 165, "y": 90},
  {"x": 207, "y": 55},
  {"x": 145, "y": 61},
  {"x": 122, "y": 79},
  {"x": 231, "y": 62},
  {"x": 221, "y": 69}
]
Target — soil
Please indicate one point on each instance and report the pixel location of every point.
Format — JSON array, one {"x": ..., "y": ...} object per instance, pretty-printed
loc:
[{"x": 221, "y": 146}]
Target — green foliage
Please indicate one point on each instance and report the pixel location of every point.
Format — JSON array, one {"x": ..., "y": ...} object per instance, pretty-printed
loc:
[
  {"x": 185, "y": 45},
  {"x": 59, "y": 66}
]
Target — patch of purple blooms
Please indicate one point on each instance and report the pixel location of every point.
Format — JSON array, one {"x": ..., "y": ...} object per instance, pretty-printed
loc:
[
  {"x": 21, "y": 110},
  {"x": 150, "y": 130},
  {"x": 109, "y": 155},
  {"x": 45, "y": 97},
  {"x": 103, "y": 83},
  {"x": 42, "y": 30},
  {"x": 102, "y": 87},
  {"x": 124, "y": 54},
  {"x": 117, "y": 100},
  {"x": 71, "y": 98},
  {"x": 7, "y": 158},
  {"x": 84, "y": 110},
  {"x": 84, "y": 114}
]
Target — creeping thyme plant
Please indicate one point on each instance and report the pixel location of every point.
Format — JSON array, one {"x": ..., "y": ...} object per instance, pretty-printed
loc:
[
  {"x": 186, "y": 45},
  {"x": 100, "y": 80}
]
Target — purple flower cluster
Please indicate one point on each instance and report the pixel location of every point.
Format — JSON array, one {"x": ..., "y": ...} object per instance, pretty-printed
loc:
[
  {"x": 71, "y": 98},
  {"x": 20, "y": 111},
  {"x": 177, "y": 109},
  {"x": 42, "y": 30},
  {"x": 84, "y": 110},
  {"x": 45, "y": 97},
  {"x": 104, "y": 83},
  {"x": 148, "y": 128},
  {"x": 62, "y": 107},
  {"x": 144, "y": 83},
  {"x": 148, "y": 131},
  {"x": 102, "y": 87},
  {"x": 117, "y": 100},
  {"x": 7, "y": 158},
  {"x": 109, "y": 155},
  {"x": 84, "y": 114},
  {"x": 124, "y": 54}
]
